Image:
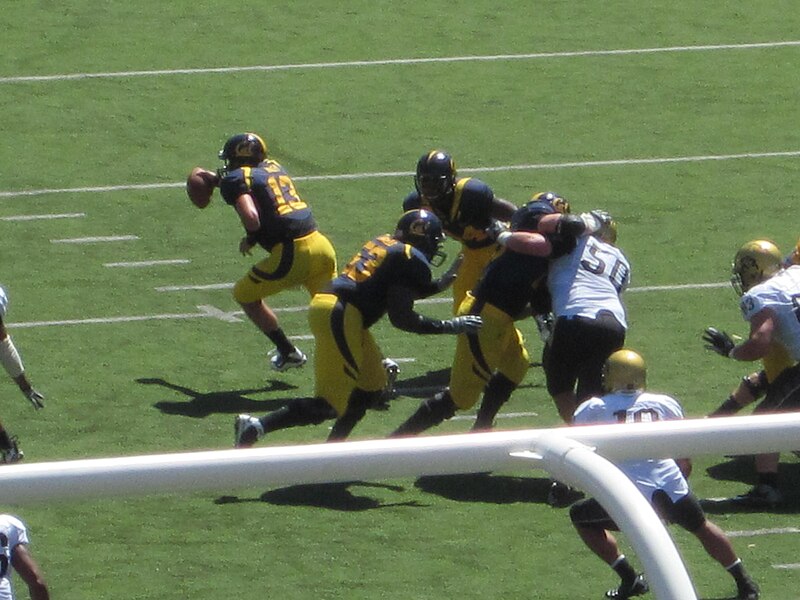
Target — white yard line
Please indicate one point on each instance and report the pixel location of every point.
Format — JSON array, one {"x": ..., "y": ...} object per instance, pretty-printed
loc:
[
  {"x": 399, "y": 61},
  {"x": 515, "y": 415},
  {"x": 149, "y": 263},
  {"x": 377, "y": 174},
  {"x": 207, "y": 311},
  {"x": 42, "y": 217},
  {"x": 757, "y": 532},
  {"x": 97, "y": 239}
]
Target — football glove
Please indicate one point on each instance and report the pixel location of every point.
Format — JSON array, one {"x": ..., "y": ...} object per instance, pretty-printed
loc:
[
  {"x": 545, "y": 324},
  {"x": 462, "y": 324},
  {"x": 36, "y": 399},
  {"x": 495, "y": 229},
  {"x": 718, "y": 341}
]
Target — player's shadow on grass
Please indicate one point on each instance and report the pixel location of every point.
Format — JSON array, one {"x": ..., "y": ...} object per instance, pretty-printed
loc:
[
  {"x": 486, "y": 487},
  {"x": 735, "y": 468},
  {"x": 431, "y": 382},
  {"x": 742, "y": 469},
  {"x": 202, "y": 404},
  {"x": 332, "y": 496}
]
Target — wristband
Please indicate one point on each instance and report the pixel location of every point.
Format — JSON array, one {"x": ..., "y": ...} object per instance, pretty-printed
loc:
[{"x": 502, "y": 238}]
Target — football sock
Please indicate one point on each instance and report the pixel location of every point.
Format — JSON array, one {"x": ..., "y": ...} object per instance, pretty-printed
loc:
[
  {"x": 498, "y": 391},
  {"x": 624, "y": 569},
  {"x": 282, "y": 343},
  {"x": 737, "y": 571},
  {"x": 430, "y": 413},
  {"x": 356, "y": 409},
  {"x": 770, "y": 479},
  {"x": 301, "y": 411},
  {"x": 5, "y": 440}
]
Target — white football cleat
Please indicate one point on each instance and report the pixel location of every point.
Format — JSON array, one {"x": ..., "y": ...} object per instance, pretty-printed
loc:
[
  {"x": 293, "y": 360},
  {"x": 247, "y": 430}
]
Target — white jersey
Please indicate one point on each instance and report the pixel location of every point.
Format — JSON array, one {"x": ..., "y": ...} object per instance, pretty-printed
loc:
[
  {"x": 649, "y": 475},
  {"x": 589, "y": 279},
  {"x": 12, "y": 533},
  {"x": 781, "y": 294},
  {"x": 3, "y": 302}
]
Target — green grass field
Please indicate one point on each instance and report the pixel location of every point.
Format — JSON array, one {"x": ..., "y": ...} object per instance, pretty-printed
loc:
[{"x": 679, "y": 119}]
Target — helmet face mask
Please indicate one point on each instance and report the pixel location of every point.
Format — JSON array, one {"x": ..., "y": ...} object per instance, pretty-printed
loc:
[
  {"x": 423, "y": 230},
  {"x": 624, "y": 371},
  {"x": 243, "y": 149},
  {"x": 436, "y": 175},
  {"x": 755, "y": 262}
]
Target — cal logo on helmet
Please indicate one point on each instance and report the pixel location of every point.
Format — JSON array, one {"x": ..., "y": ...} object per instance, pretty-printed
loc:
[
  {"x": 243, "y": 149},
  {"x": 756, "y": 261},
  {"x": 423, "y": 230}
]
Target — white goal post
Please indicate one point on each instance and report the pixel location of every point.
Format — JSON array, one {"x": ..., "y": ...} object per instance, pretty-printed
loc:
[{"x": 576, "y": 455}]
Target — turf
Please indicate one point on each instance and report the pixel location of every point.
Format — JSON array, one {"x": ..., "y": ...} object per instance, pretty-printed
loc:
[{"x": 522, "y": 124}]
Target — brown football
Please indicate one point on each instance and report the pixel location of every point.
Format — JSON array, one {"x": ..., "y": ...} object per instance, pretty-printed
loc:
[{"x": 200, "y": 186}]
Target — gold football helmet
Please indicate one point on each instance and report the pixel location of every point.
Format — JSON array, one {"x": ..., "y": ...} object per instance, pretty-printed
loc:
[
  {"x": 624, "y": 370},
  {"x": 794, "y": 257},
  {"x": 756, "y": 261},
  {"x": 608, "y": 229}
]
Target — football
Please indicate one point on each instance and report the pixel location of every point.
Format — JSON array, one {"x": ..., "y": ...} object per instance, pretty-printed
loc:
[{"x": 200, "y": 186}]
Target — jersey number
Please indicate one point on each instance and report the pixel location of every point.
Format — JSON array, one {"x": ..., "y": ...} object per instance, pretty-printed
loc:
[
  {"x": 645, "y": 415},
  {"x": 285, "y": 194},
  {"x": 364, "y": 264},
  {"x": 618, "y": 273}
]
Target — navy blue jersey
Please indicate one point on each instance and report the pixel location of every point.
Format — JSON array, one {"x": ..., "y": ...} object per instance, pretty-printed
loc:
[
  {"x": 382, "y": 263},
  {"x": 465, "y": 214},
  {"x": 512, "y": 281},
  {"x": 284, "y": 215}
]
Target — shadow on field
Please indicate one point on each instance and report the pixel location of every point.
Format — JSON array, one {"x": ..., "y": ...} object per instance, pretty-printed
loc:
[
  {"x": 333, "y": 496},
  {"x": 423, "y": 386},
  {"x": 202, "y": 404},
  {"x": 742, "y": 469},
  {"x": 431, "y": 382},
  {"x": 485, "y": 487}
]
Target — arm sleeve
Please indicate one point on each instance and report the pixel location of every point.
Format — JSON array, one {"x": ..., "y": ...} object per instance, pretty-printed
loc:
[
  {"x": 400, "y": 307},
  {"x": 231, "y": 187}
]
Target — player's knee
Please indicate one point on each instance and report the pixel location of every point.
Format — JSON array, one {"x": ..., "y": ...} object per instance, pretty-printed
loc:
[{"x": 755, "y": 384}]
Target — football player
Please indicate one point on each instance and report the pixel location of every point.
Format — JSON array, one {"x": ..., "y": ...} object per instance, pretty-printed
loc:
[
  {"x": 504, "y": 293},
  {"x": 14, "y": 553},
  {"x": 662, "y": 481},
  {"x": 768, "y": 291},
  {"x": 590, "y": 319},
  {"x": 13, "y": 365},
  {"x": 468, "y": 210},
  {"x": 278, "y": 219},
  {"x": 387, "y": 275},
  {"x": 754, "y": 386}
]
